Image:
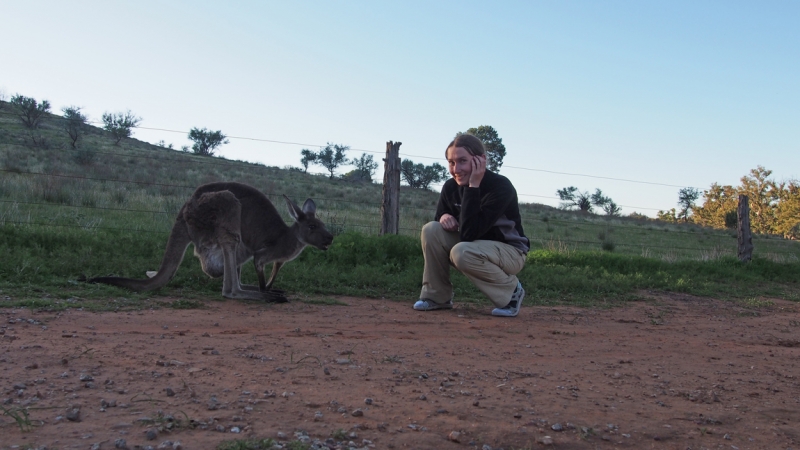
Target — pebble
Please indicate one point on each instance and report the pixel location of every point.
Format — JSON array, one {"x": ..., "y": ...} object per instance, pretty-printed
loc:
[
  {"x": 236, "y": 430},
  {"x": 557, "y": 427},
  {"x": 547, "y": 440},
  {"x": 151, "y": 434},
  {"x": 213, "y": 403},
  {"x": 357, "y": 413},
  {"x": 121, "y": 444},
  {"x": 85, "y": 377},
  {"x": 74, "y": 414},
  {"x": 368, "y": 401},
  {"x": 281, "y": 435},
  {"x": 317, "y": 416},
  {"x": 454, "y": 436},
  {"x": 170, "y": 392}
]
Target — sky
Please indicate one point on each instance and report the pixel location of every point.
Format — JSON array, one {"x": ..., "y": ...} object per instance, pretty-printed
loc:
[{"x": 664, "y": 94}]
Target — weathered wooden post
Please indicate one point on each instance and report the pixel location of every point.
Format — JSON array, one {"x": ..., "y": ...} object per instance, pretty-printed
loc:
[
  {"x": 390, "y": 208},
  {"x": 745, "y": 238}
]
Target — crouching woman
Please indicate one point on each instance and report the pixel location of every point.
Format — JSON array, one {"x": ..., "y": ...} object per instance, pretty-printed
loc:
[{"x": 477, "y": 230}]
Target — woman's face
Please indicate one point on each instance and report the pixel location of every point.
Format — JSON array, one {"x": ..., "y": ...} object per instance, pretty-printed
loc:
[{"x": 459, "y": 163}]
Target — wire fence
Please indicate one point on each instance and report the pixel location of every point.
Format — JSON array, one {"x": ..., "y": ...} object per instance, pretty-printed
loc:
[{"x": 542, "y": 221}]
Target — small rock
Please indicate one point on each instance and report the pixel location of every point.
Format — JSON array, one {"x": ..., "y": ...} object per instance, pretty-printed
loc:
[
  {"x": 20, "y": 386},
  {"x": 85, "y": 377},
  {"x": 151, "y": 434},
  {"x": 326, "y": 371},
  {"x": 121, "y": 444},
  {"x": 557, "y": 427},
  {"x": 727, "y": 437},
  {"x": 235, "y": 430},
  {"x": 423, "y": 397},
  {"x": 281, "y": 435},
  {"x": 317, "y": 416},
  {"x": 476, "y": 403},
  {"x": 213, "y": 403},
  {"x": 95, "y": 447},
  {"x": 367, "y": 401},
  {"x": 547, "y": 440},
  {"x": 454, "y": 436},
  {"x": 357, "y": 413},
  {"x": 170, "y": 392},
  {"x": 74, "y": 414}
]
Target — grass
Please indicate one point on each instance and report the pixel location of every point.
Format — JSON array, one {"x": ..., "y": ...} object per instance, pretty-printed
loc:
[
  {"x": 67, "y": 215},
  {"x": 20, "y": 416}
]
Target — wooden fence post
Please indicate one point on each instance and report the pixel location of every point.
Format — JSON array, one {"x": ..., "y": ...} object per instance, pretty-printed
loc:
[
  {"x": 745, "y": 238},
  {"x": 390, "y": 208}
]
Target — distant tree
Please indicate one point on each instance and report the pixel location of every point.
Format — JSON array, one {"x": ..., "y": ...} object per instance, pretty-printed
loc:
[
  {"x": 120, "y": 124},
  {"x": 308, "y": 158},
  {"x": 74, "y": 124},
  {"x": 495, "y": 150},
  {"x": 30, "y": 112},
  {"x": 206, "y": 141},
  {"x": 365, "y": 167},
  {"x": 686, "y": 198},
  {"x": 331, "y": 157},
  {"x": 718, "y": 201},
  {"x": 667, "y": 216},
  {"x": 572, "y": 198},
  {"x": 638, "y": 216},
  {"x": 763, "y": 196},
  {"x": 788, "y": 211},
  {"x": 611, "y": 209},
  {"x": 421, "y": 176}
]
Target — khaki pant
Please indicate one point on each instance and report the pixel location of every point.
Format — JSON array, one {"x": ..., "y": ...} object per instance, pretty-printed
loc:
[{"x": 492, "y": 266}]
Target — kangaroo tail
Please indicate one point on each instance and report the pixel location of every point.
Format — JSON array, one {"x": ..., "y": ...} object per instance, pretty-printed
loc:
[{"x": 179, "y": 240}]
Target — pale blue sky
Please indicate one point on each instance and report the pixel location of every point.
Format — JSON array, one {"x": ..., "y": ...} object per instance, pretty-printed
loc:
[{"x": 681, "y": 93}]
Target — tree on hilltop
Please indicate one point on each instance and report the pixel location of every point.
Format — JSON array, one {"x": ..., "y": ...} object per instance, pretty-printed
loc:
[
  {"x": 686, "y": 199},
  {"x": 421, "y": 176},
  {"x": 206, "y": 141},
  {"x": 365, "y": 167},
  {"x": 30, "y": 111},
  {"x": 74, "y": 124},
  {"x": 495, "y": 150},
  {"x": 120, "y": 124},
  {"x": 572, "y": 198},
  {"x": 330, "y": 157}
]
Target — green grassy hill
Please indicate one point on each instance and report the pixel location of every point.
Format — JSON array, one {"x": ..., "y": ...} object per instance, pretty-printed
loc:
[{"x": 105, "y": 208}]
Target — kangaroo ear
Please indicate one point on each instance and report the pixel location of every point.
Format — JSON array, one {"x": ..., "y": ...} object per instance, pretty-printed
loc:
[
  {"x": 309, "y": 207},
  {"x": 294, "y": 210}
]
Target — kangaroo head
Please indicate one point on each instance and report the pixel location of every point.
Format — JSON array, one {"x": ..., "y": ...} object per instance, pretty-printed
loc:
[{"x": 311, "y": 231}]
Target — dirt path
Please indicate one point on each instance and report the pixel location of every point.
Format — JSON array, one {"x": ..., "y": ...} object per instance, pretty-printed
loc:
[{"x": 675, "y": 372}]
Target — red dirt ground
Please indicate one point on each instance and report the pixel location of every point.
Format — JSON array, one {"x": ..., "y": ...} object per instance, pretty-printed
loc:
[{"x": 674, "y": 372}]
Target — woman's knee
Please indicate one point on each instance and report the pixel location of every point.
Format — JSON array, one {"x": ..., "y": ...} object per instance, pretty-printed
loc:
[
  {"x": 430, "y": 229},
  {"x": 461, "y": 254}
]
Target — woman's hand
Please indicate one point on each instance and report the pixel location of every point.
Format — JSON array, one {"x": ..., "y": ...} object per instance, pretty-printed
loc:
[
  {"x": 478, "y": 170},
  {"x": 449, "y": 223}
]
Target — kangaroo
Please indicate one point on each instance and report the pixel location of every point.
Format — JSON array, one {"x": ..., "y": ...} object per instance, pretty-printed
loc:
[{"x": 229, "y": 224}]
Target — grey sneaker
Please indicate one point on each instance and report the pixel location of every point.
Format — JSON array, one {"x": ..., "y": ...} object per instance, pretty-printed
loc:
[
  {"x": 512, "y": 309},
  {"x": 424, "y": 304}
]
